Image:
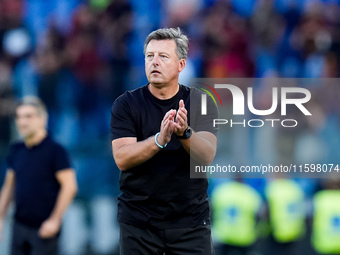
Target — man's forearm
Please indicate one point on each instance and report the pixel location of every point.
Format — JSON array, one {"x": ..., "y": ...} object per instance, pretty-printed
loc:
[
  {"x": 5, "y": 198},
  {"x": 6, "y": 193},
  {"x": 68, "y": 189},
  {"x": 201, "y": 146},
  {"x": 134, "y": 154},
  {"x": 64, "y": 199}
]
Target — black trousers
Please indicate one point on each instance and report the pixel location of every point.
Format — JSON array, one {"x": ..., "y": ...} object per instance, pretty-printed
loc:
[
  {"x": 181, "y": 241},
  {"x": 26, "y": 241}
]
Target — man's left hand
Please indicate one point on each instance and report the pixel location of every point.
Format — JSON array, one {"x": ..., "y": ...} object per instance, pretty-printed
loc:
[{"x": 181, "y": 121}]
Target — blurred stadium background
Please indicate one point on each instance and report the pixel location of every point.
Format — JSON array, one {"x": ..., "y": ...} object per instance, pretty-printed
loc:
[{"x": 78, "y": 56}]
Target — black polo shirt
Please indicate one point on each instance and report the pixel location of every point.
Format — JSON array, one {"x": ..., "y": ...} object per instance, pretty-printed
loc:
[
  {"x": 36, "y": 186},
  {"x": 160, "y": 192}
]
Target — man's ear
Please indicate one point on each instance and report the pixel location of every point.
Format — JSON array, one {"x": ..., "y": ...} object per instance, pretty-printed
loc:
[{"x": 181, "y": 65}]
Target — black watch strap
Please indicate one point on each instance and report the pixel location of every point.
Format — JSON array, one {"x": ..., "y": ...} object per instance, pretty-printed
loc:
[{"x": 186, "y": 135}]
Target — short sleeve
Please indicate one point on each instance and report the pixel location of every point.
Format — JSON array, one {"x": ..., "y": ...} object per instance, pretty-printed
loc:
[
  {"x": 203, "y": 122},
  {"x": 122, "y": 123},
  {"x": 61, "y": 158}
]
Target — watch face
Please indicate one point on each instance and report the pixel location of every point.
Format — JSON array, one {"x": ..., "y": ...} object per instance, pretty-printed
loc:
[{"x": 187, "y": 133}]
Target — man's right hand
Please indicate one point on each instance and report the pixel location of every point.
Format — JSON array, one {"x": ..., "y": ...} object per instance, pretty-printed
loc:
[{"x": 167, "y": 127}]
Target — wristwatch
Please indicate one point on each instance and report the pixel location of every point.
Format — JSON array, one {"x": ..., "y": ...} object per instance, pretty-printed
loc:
[{"x": 187, "y": 134}]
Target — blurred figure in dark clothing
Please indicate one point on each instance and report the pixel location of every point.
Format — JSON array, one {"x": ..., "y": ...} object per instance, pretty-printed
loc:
[
  {"x": 116, "y": 27},
  {"x": 226, "y": 44},
  {"x": 7, "y": 108}
]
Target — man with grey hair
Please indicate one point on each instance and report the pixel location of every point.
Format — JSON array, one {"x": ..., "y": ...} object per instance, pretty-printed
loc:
[
  {"x": 42, "y": 181},
  {"x": 154, "y": 135}
]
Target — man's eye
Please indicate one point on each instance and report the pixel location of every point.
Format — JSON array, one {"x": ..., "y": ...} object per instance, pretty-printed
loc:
[{"x": 163, "y": 56}]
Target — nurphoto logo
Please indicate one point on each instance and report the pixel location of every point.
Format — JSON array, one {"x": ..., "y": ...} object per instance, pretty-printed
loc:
[{"x": 238, "y": 107}]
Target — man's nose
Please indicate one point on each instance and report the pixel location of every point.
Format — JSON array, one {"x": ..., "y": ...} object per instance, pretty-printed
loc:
[{"x": 155, "y": 60}]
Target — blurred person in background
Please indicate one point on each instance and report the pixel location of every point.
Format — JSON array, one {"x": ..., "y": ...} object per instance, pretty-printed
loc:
[
  {"x": 7, "y": 107},
  {"x": 115, "y": 30},
  {"x": 42, "y": 181},
  {"x": 236, "y": 213},
  {"x": 287, "y": 215},
  {"x": 226, "y": 44},
  {"x": 326, "y": 218},
  {"x": 161, "y": 209}
]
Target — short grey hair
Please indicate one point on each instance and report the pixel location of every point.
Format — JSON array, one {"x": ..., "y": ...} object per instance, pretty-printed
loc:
[
  {"x": 36, "y": 102},
  {"x": 176, "y": 34}
]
